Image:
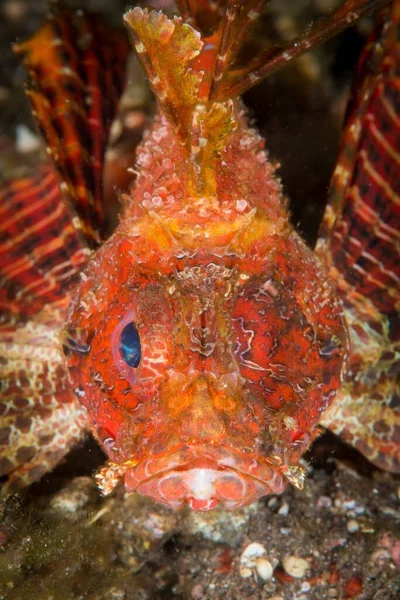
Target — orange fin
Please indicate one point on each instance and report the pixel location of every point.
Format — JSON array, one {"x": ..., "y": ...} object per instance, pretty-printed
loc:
[
  {"x": 360, "y": 242},
  {"x": 76, "y": 69},
  {"x": 166, "y": 48}
]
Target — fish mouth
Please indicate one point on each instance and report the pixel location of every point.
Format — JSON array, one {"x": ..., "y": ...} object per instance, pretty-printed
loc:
[{"x": 204, "y": 478}]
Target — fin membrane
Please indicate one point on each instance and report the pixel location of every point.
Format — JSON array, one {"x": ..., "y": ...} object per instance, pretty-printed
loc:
[
  {"x": 193, "y": 67},
  {"x": 40, "y": 417},
  {"x": 76, "y": 69},
  {"x": 42, "y": 250},
  {"x": 360, "y": 241},
  {"x": 42, "y": 246}
]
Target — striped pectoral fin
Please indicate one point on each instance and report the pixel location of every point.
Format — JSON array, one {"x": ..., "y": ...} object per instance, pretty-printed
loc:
[
  {"x": 76, "y": 69},
  {"x": 360, "y": 242},
  {"x": 39, "y": 416},
  {"x": 42, "y": 245}
]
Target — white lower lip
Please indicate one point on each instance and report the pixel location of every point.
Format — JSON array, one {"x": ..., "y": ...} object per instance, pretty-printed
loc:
[{"x": 200, "y": 483}]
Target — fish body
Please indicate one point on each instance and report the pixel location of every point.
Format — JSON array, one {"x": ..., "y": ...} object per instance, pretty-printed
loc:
[{"x": 205, "y": 341}]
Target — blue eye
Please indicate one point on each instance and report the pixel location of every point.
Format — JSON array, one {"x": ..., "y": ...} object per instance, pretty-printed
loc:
[{"x": 129, "y": 345}]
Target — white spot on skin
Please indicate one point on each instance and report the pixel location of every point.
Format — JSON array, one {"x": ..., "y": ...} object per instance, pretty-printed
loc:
[
  {"x": 140, "y": 48},
  {"x": 241, "y": 205},
  {"x": 157, "y": 201}
]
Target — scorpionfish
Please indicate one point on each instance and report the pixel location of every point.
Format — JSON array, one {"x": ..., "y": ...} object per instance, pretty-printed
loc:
[{"x": 203, "y": 343}]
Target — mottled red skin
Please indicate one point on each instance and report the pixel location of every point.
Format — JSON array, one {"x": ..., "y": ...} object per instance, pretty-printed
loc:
[{"x": 253, "y": 382}]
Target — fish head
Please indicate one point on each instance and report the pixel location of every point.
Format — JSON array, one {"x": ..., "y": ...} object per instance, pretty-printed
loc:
[{"x": 204, "y": 385}]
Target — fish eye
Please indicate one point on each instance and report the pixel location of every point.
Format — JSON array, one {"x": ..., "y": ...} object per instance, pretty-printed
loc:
[{"x": 129, "y": 345}]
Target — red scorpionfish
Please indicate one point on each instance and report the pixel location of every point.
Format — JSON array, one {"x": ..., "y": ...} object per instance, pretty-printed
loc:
[{"x": 203, "y": 342}]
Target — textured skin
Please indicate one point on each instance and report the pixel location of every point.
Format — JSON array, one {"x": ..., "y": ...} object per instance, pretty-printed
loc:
[
  {"x": 360, "y": 240},
  {"x": 243, "y": 339},
  {"x": 231, "y": 336}
]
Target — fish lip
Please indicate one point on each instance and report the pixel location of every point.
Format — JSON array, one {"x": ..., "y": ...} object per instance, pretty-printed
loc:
[{"x": 264, "y": 478}]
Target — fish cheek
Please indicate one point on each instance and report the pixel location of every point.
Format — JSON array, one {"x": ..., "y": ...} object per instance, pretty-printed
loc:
[
  {"x": 285, "y": 359},
  {"x": 119, "y": 388}
]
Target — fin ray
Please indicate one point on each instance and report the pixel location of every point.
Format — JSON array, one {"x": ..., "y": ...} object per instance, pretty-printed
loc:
[
  {"x": 39, "y": 415},
  {"x": 42, "y": 245},
  {"x": 76, "y": 72}
]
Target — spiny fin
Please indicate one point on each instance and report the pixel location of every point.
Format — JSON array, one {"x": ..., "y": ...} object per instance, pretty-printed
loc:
[
  {"x": 42, "y": 250},
  {"x": 211, "y": 127},
  {"x": 40, "y": 417},
  {"x": 204, "y": 15},
  {"x": 360, "y": 243},
  {"x": 240, "y": 78},
  {"x": 166, "y": 49},
  {"x": 42, "y": 245},
  {"x": 76, "y": 69}
]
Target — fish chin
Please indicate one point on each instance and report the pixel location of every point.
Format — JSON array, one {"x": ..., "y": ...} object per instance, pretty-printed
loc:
[{"x": 204, "y": 482}]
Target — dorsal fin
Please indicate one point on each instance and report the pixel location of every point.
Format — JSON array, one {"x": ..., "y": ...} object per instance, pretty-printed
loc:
[
  {"x": 196, "y": 75},
  {"x": 185, "y": 71},
  {"x": 76, "y": 69},
  {"x": 166, "y": 48},
  {"x": 271, "y": 58}
]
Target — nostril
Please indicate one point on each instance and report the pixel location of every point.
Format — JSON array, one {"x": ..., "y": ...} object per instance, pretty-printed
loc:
[{"x": 231, "y": 487}]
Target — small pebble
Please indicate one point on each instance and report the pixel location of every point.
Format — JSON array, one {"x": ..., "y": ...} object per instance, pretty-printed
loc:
[
  {"x": 197, "y": 592},
  {"x": 305, "y": 587},
  {"x": 272, "y": 502},
  {"x": 74, "y": 497},
  {"x": 264, "y": 569},
  {"x": 295, "y": 566},
  {"x": 253, "y": 559},
  {"x": 324, "y": 502},
  {"x": 353, "y": 526},
  {"x": 284, "y": 509}
]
